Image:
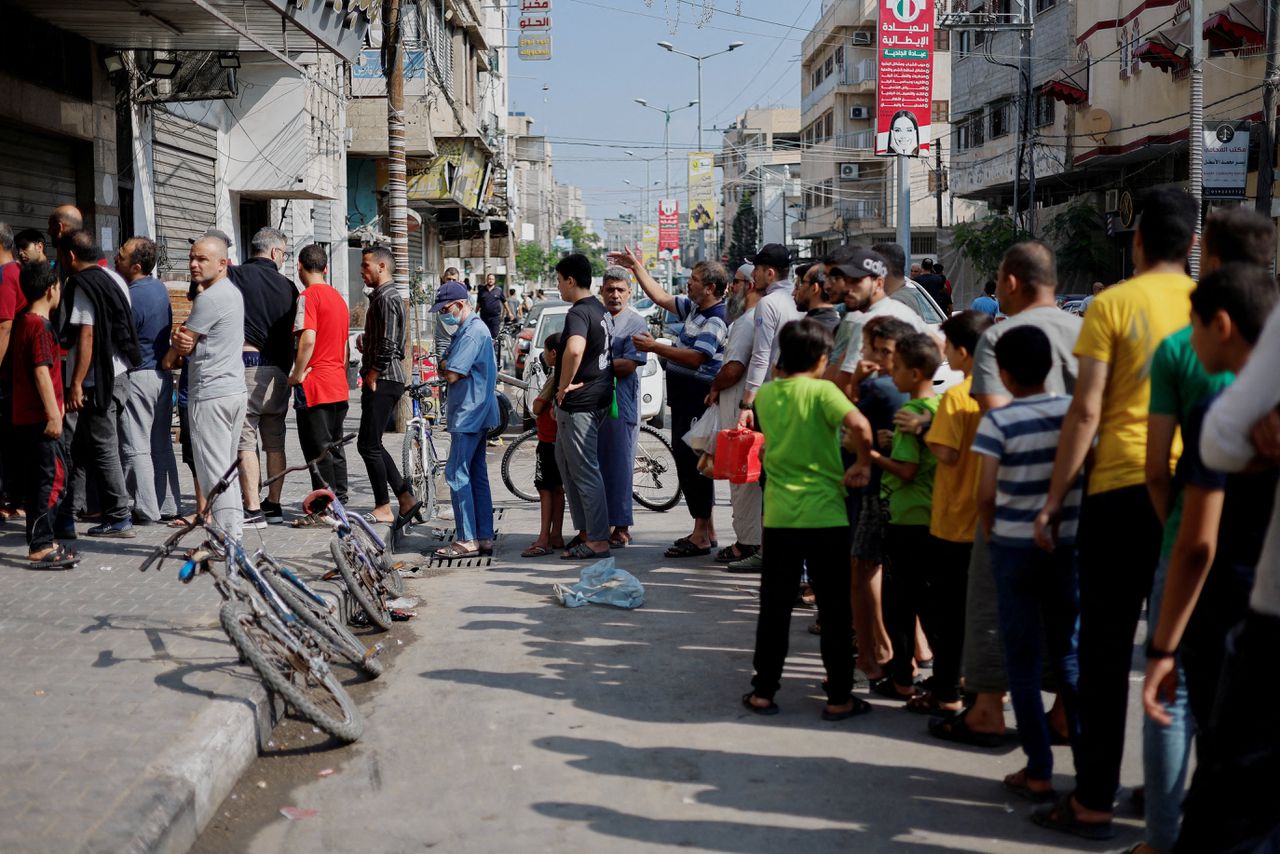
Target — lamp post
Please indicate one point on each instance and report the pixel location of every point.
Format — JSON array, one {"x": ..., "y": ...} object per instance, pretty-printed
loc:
[
  {"x": 666, "y": 147},
  {"x": 649, "y": 183}
]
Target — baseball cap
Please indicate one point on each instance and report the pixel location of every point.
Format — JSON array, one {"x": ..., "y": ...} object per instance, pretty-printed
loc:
[
  {"x": 857, "y": 262},
  {"x": 447, "y": 293},
  {"x": 772, "y": 255},
  {"x": 212, "y": 232}
]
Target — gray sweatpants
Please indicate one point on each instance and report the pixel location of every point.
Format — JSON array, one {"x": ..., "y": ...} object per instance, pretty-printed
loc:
[
  {"x": 146, "y": 445},
  {"x": 215, "y": 441},
  {"x": 577, "y": 455},
  {"x": 983, "y": 665}
]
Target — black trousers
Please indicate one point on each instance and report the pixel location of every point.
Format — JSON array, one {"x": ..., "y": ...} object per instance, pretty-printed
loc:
[
  {"x": 787, "y": 553},
  {"x": 687, "y": 397},
  {"x": 1231, "y": 806},
  {"x": 925, "y": 577},
  {"x": 375, "y": 411},
  {"x": 96, "y": 447},
  {"x": 42, "y": 469},
  {"x": 1119, "y": 547},
  {"x": 11, "y": 488},
  {"x": 318, "y": 426}
]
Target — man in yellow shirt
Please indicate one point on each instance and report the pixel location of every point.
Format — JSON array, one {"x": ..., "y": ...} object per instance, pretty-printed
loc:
[{"x": 1119, "y": 532}]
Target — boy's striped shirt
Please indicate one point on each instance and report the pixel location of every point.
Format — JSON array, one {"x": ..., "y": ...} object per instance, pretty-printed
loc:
[{"x": 1024, "y": 436}]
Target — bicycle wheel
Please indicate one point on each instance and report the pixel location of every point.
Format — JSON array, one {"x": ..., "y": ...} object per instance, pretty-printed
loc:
[
  {"x": 366, "y": 590},
  {"x": 326, "y": 624},
  {"x": 412, "y": 461},
  {"x": 519, "y": 465},
  {"x": 381, "y": 560},
  {"x": 305, "y": 682},
  {"x": 504, "y": 416},
  {"x": 654, "y": 483}
]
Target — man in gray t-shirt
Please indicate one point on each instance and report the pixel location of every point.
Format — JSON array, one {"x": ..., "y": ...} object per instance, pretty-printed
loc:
[
  {"x": 1062, "y": 330},
  {"x": 211, "y": 340}
]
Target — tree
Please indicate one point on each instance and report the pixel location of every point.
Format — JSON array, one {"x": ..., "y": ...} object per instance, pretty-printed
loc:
[
  {"x": 745, "y": 232},
  {"x": 584, "y": 242},
  {"x": 1077, "y": 236},
  {"x": 984, "y": 242},
  {"x": 531, "y": 262}
]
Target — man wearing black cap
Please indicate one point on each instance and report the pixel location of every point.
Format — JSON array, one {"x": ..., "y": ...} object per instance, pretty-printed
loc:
[{"x": 772, "y": 275}]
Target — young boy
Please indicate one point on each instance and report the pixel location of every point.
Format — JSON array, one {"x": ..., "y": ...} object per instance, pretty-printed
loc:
[
  {"x": 37, "y": 414},
  {"x": 805, "y": 526},
  {"x": 1036, "y": 590},
  {"x": 954, "y": 515},
  {"x": 908, "y": 484},
  {"x": 546, "y": 477}
]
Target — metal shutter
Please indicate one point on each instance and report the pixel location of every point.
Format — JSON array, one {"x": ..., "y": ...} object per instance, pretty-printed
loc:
[
  {"x": 322, "y": 222},
  {"x": 184, "y": 158},
  {"x": 37, "y": 173}
]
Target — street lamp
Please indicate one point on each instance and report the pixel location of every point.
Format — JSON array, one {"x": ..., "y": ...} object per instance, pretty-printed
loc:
[
  {"x": 667, "y": 46},
  {"x": 649, "y": 183},
  {"x": 666, "y": 131}
]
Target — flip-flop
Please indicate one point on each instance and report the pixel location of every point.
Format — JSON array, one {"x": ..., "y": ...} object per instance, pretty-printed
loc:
[
  {"x": 766, "y": 711},
  {"x": 58, "y": 558},
  {"x": 615, "y": 543},
  {"x": 413, "y": 514},
  {"x": 535, "y": 551},
  {"x": 686, "y": 549},
  {"x": 181, "y": 522},
  {"x": 1062, "y": 818},
  {"x": 955, "y": 729},
  {"x": 374, "y": 520},
  {"x": 455, "y": 552},
  {"x": 860, "y": 707},
  {"x": 582, "y": 551},
  {"x": 1022, "y": 790}
]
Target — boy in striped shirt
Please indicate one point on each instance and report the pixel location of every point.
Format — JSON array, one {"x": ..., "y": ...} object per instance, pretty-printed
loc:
[{"x": 1036, "y": 589}]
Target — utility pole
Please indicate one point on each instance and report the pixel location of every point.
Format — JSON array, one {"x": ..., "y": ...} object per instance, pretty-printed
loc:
[
  {"x": 1196, "y": 135},
  {"x": 937, "y": 184},
  {"x": 1267, "y": 144},
  {"x": 1029, "y": 112},
  {"x": 397, "y": 175},
  {"x": 904, "y": 204}
]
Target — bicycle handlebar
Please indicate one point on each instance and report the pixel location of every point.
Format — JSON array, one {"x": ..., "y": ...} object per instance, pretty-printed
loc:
[{"x": 345, "y": 440}]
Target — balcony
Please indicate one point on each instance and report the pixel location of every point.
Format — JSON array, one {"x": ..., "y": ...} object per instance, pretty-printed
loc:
[
  {"x": 852, "y": 78},
  {"x": 860, "y": 143},
  {"x": 851, "y": 210},
  {"x": 823, "y": 89}
]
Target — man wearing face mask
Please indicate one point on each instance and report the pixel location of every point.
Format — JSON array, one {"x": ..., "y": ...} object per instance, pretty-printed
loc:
[
  {"x": 472, "y": 411},
  {"x": 442, "y": 334}
]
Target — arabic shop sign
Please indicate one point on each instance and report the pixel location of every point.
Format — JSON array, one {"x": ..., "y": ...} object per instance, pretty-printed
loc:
[
  {"x": 904, "y": 77},
  {"x": 1226, "y": 160},
  {"x": 534, "y": 42}
]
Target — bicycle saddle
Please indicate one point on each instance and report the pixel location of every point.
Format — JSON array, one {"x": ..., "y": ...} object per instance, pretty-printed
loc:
[{"x": 317, "y": 501}]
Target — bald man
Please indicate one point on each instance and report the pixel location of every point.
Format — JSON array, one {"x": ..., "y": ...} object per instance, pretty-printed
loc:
[{"x": 211, "y": 341}]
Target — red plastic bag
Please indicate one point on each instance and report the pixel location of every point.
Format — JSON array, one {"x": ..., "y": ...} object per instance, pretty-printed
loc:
[{"x": 738, "y": 455}]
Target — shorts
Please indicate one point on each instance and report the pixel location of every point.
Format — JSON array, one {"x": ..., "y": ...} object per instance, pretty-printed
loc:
[
  {"x": 184, "y": 437},
  {"x": 868, "y": 540},
  {"x": 268, "y": 404},
  {"x": 546, "y": 474}
]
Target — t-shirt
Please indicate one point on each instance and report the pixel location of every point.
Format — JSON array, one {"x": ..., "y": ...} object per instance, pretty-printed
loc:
[
  {"x": 270, "y": 304},
  {"x": 215, "y": 368},
  {"x": 626, "y": 324},
  {"x": 33, "y": 343},
  {"x": 84, "y": 314},
  {"x": 705, "y": 331},
  {"x": 472, "y": 404},
  {"x": 911, "y": 501},
  {"x": 886, "y": 307},
  {"x": 152, "y": 318},
  {"x": 1123, "y": 328},
  {"x": 323, "y": 310},
  {"x": 878, "y": 401},
  {"x": 489, "y": 306},
  {"x": 1062, "y": 330},
  {"x": 589, "y": 319},
  {"x": 546, "y": 420},
  {"x": 1178, "y": 384},
  {"x": 12, "y": 301},
  {"x": 986, "y": 305},
  {"x": 955, "y": 487},
  {"x": 828, "y": 317},
  {"x": 1023, "y": 436},
  {"x": 800, "y": 418},
  {"x": 737, "y": 348}
]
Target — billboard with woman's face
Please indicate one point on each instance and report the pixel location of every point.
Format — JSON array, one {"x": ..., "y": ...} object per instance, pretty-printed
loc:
[{"x": 904, "y": 77}]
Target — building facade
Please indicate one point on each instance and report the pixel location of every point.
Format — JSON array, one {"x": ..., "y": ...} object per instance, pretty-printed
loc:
[{"x": 760, "y": 156}]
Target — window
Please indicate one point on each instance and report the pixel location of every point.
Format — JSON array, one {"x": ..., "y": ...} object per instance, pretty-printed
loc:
[
  {"x": 962, "y": 136},
  {"x": 1044, "y": 109},
  {"x": 815, "y": 78},
  {"x": 979, "y": 38},
  {"x": 941, "y": 110},
  {"x": 1042, "y": 5},
  {"x": 977, "y": 129},
  {"x": 1001, "y": 115},
  {"x": 964, "y": 43},
  {"x": 828, "y": 192},
  {"x": 829, "y": 66},
  {"x": 827, "y": 126},
  {"x": 942, "y": 39},
  {"x": 840, "y": 55}
]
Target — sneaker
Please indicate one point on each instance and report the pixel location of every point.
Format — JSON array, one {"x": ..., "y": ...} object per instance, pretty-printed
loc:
[
  {"x": 273, "y": 512},
  {"x": 752, "y": 563},
  {"x": 254, "y": 519},
  {"x": 122, "y": 529}
]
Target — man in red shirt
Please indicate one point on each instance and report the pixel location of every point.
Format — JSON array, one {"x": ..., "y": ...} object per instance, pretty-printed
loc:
[
  {"x": 319, "y": 375},
  {"x": 37, "y": 415},
  {"x": 11, "y": 302}
]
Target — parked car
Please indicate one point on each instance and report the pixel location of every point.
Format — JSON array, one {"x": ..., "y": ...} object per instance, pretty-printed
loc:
[
  {"x": 933, "y": 317},
  {"x": 530, "y": 334}
]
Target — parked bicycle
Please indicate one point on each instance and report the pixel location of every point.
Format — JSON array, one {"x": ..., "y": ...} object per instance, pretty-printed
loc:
[
  {"x": 654, "y": 484},
  {"x": 283, "y": 649}
]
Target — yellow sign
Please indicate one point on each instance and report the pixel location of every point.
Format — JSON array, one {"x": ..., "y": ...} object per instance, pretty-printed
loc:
[
  {"x": 649, "y": 246},
  {"x": 459, "y": 173},
  {"x": 702, "y": 190}
]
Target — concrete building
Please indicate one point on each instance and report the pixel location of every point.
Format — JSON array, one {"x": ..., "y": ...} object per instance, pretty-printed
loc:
[
  {"x": 760, "y": 155},
  {"x": 849, "y": 194},
  {"x": 538, "y": 211},
  {"x": 569, "y": 200}
]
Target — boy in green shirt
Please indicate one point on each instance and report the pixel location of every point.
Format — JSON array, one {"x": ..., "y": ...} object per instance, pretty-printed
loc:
[{"x": 908, "y": 483}]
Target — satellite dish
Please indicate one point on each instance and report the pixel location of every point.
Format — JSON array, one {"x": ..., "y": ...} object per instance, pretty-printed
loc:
[{"x": 1097, "y": 124}]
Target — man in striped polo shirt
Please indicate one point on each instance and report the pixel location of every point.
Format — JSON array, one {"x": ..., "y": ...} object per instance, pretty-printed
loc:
[{"x": 1036, "y": 589}]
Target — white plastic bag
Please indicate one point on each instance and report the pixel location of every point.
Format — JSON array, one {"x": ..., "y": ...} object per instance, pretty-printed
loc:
[
  {"x": 602, "y": 583},
  {"x": 702, "y": 435}
]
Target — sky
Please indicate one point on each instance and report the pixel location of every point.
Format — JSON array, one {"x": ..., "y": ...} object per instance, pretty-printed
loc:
[{"x": 606, "y": 55}]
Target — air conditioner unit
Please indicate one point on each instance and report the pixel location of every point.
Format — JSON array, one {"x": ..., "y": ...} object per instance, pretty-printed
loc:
[
  {"x": 1112, "y": 201},
  {"x": 859, "y": 112},
  {"x": 848, "y": 170},
  {"x": 862, "y": 38}
]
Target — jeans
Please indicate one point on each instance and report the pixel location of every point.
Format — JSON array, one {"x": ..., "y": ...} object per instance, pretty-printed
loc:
[
  {"x": 1037, "y": 598},
  {"x": 617, "y": 442},
  {"x": 96, "y": 446},
  {"x": 146, "y": 446},
  {"x": 376, "y": 408},
  {"x": 686, "y": 396},
  {"x": 38, "y": 463},
  {"x": 1231, "y": 804},
  {"x": 788, "y": 552},
  {"x": 467, "y": 473},
  {"x": 1165, "y": 749},
  {"x": 215, "y": 439},
  {"x": 318, "y": 426},
  {"x": 577, "y": 456},
  {"x": 983, "y": 665},
  {"x": 1119, "y": 550}
]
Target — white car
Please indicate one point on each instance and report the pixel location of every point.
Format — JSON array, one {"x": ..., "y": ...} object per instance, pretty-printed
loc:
[{"x": 933, "y": 317}]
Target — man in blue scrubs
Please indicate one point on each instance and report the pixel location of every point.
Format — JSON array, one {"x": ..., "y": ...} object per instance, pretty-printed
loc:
[{"x": 617, "y": 441}]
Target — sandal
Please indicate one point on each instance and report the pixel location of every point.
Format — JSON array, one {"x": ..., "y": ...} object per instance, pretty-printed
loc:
[
  {"x": 535, "y": 551},
  {"x": 769, "y": 710},
  {"x": 955, "y": 729},
  {"x": 56, "y": 558},
  {"x": 582, "y": 551},
  {"x": 412, "y": 515},
  {"x": 183, "y": 522},
  {"x": 927, "y": 703},
  {"x": 887, "y": 688},
  {"x": 575, "y": 542},
  {"x": 619, "y": 542},
  {"x": 308, "y": 521},
  {"x": 374, "y": 520},
  {"x": 737, "y": 551},
  {"x": 859, "y": 707},
  {"x": 686, "y": 549},
  {"x": 1017, "y": 783},
  {"x": 1062, "y": 818},
  {"x": 453, "y": 551}
]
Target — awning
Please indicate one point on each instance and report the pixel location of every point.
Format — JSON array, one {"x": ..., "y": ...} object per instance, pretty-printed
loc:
[
  {"x": 1241, "y": 24},
  {"x": 1169, "y": 49},
  {"x": 1070, "y": 85}
]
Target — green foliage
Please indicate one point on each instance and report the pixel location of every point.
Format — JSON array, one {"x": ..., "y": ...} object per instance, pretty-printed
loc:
[
  {"x": 1077, "y": 236},
  {"x": 531, "y": 261},
  {"x": 984, "y": 242},
  {"x": 585, "y": 242},
  {"x": 745, "y": 232}
]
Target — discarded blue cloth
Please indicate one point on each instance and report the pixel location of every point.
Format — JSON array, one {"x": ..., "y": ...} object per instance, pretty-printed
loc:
[{"x": 602, "y": 583}]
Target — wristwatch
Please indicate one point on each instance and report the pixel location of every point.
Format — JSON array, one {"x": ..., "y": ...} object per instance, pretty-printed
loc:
[
  {"x": 1154, "y": 651},
  {"x": 742, "y": 404}
]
